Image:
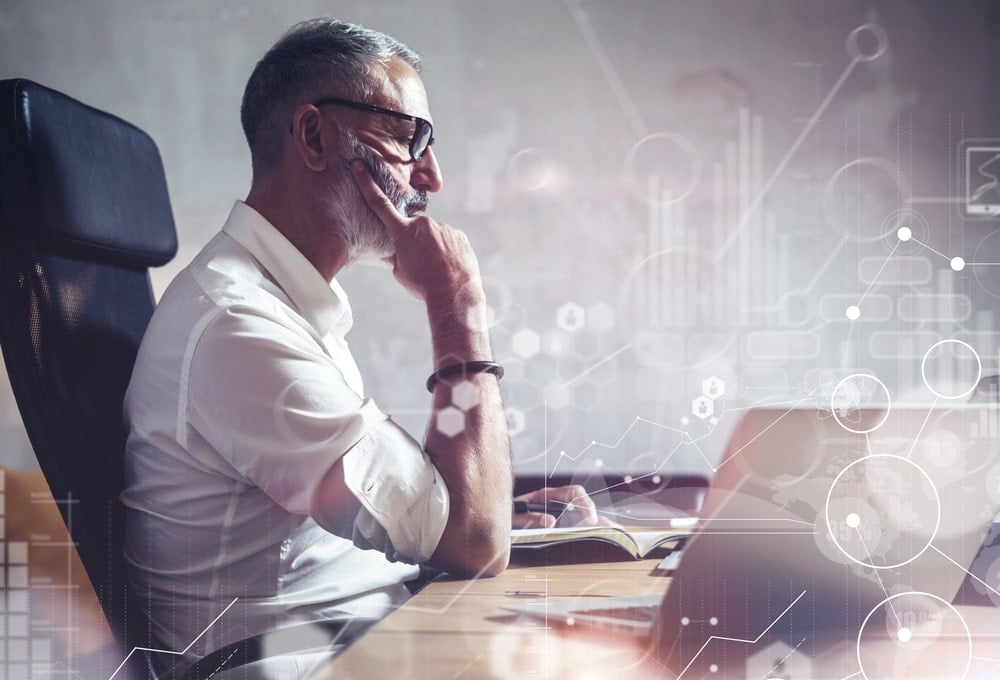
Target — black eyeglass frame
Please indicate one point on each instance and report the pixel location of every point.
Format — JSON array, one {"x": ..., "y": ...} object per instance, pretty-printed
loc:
[{"x": 422, "y": 124}]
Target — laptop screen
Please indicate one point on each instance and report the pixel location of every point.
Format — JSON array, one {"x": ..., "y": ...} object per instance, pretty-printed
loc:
[{"x": 816, "y": 537}]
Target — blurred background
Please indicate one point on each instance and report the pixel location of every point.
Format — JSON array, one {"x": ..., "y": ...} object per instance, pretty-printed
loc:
[{"x": 681, "y": 207}]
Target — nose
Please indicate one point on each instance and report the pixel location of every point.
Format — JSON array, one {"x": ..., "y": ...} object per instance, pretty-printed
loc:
[{"x": 426, "y": 174}]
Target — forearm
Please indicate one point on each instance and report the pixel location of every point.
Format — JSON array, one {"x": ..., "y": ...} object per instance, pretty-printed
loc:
[{"x": 474, "y": 462}]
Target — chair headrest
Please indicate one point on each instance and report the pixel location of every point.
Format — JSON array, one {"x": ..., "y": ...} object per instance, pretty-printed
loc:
[{"x": 81, "y": 178}]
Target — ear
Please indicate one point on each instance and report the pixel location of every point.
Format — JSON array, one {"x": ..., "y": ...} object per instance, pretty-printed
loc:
[{"x": 312, "y": 138}]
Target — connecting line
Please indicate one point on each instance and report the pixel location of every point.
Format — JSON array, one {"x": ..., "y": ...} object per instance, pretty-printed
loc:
[
  {"x": 868, "y": 442},
  {"x": 761, "y": 433},
  {"x": 847, "y": 345},
  {"x": 749, "y": 642},
  {"x": 56, "y": 667},
  {"x": 607, "y": 68},
  {"x": 936, "y": 252},
  {"x": 167, "y": 651},
  {"x": 782, "y": 660},
  {"x": 984, "y": 583},
  {"x": 922, "y": 426},
  {"x": 852, "y": 675},
  {"x": 879, "y": 273},
  {"x": 784, "y": 161},
  {"x": 895, "y": 614},
  {"x": 599, "y": 363}
]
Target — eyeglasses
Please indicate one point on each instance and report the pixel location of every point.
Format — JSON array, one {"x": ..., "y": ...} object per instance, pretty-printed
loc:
[{"x": 423, "y": 133}]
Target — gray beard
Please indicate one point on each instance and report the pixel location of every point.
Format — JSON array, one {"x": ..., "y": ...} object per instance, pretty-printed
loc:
[{"x": 364, "y": 235}]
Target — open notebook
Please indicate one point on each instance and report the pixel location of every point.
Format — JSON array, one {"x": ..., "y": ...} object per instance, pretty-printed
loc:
[{"x": 637, "y": 542}]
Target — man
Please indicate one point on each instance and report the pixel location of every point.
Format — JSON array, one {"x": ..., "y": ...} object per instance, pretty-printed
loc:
[{"x": 258, "y": 469}]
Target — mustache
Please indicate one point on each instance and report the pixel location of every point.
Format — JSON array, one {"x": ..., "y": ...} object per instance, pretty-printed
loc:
[{"x": 415, "y": 202}]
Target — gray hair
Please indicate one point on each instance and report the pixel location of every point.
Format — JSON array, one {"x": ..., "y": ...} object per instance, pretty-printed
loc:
[{"x": 316, "y": 58}]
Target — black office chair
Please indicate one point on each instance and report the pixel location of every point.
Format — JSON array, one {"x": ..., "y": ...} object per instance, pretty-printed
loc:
[{"x": 84, "y": 212}]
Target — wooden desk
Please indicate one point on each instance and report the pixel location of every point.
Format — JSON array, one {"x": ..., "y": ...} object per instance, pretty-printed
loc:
[{"x": 456, "y": 629}]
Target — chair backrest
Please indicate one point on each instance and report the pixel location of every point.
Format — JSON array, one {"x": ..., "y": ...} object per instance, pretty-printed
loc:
[{"x": 84, "y": 211}]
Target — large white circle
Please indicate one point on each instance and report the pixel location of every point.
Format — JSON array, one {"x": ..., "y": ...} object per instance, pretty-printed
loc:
[
  {"x": 842, "y": 386},
  {"x": 861, "y": 511},
  {"x": 913, "y": 637},
  {"x": 923, "y": 369}
]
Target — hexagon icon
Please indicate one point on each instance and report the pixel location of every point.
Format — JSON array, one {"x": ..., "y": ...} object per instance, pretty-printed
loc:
[
  {"x": 779, "y": 660},
  {"x": 555, "y": 343},
  {"x": 515, "y": 421},
  {"x": 571, "y": 317},
  {"x": 557, "y": 396},
  {"x": 465, "y": 395},
  {"x": 713, "y": 387},
  {"x": 703, "y": 407},
  {"x": 525, "y": 343},
  {"x": 450, "y": 421},
  {"x": 601, "y": 317}
]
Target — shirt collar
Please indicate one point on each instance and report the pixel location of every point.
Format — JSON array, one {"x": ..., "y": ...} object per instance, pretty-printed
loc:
[{"x": 324, "y": 306}]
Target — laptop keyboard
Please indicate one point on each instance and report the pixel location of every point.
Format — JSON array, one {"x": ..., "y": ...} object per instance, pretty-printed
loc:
[{"x": 644, "y": 614}]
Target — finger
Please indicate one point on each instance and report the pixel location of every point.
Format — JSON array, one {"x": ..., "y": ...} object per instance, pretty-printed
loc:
[
  {"x": 583, "y": 507},
  {"x": 376, "y": 199},
  {"x": 534, "y": 520}
]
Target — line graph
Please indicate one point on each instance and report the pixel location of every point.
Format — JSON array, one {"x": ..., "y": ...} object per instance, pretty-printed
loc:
[
  {"x": 752, "y": 641},
  {"x": 172, "y": 652}
]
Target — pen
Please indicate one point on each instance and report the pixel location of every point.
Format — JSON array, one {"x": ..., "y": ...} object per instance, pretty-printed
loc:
[{"x": 551, "y": 508}]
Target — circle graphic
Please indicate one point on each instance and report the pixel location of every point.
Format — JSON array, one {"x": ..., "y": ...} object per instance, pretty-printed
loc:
[
  {"x": 852, "y": 400},
  {"x": 903, "y": 230},
  {"x": 531, "y": 169},
  {"x": 662, "y": 168},
  {"x": 859, "y": 195},
  {"x": 988, "y": 278},
  {"x": 950, "y": 366},
  {"x": 914, "y": 635},
  {"x": 867, "y": 33},
  {"x": 882, "y": 511}
]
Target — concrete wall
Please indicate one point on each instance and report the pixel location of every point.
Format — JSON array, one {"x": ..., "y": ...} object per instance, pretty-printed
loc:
[{"x": 686, "y": 172}]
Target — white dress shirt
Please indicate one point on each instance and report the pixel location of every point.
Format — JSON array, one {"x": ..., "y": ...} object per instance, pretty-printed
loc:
[{"x": 243, "y": 396}]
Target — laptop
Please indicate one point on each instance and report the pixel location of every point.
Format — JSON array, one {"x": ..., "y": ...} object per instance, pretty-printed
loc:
[{"x": 822, "y": 537}]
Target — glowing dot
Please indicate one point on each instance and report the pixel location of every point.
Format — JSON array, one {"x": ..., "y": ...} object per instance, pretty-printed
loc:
[
  {"x": 904, "y": 634},
  {"x": 562, "y": 453},
  {"x": 570, "y": 507},
  {"x": 685, "y": 620},
  {"x": 598, "y": 463},
  {"x": 853, "y": 312},
  {"x": 957, "y": 263},
  {"x": 853, "y": 520},
  {"x": 628, "y": 479},
  {"x": 713, "y": 420},
  {"x": 657, "y": 479},
  {"x": 713, "y": 668},
  {"x": 593, "y": 443},
  {"x": 685, "y": 420},
  {"x": 713, "y": 621},
  {"x": 904, "y": 233},
  {"x": 570, "y": 621}
]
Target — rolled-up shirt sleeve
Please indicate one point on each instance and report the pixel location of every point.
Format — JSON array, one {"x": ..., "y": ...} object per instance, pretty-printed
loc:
[{"x": 280, "y": 413}]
